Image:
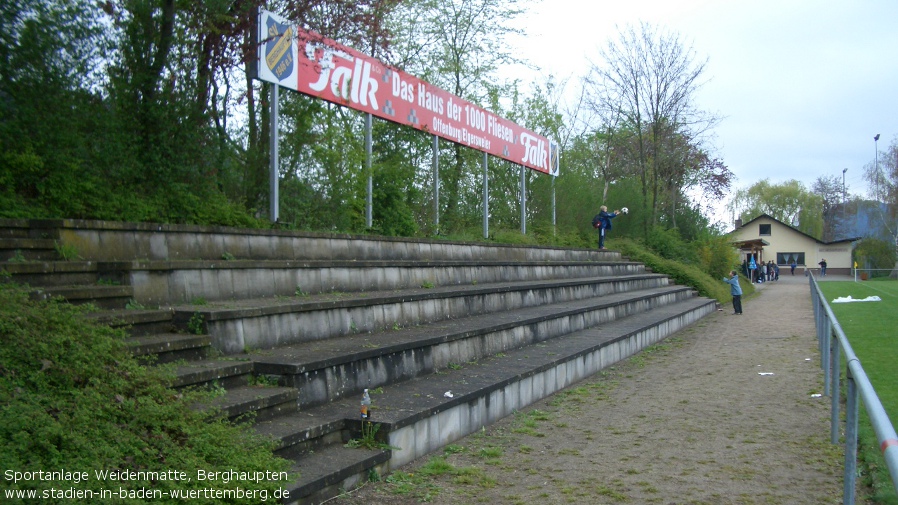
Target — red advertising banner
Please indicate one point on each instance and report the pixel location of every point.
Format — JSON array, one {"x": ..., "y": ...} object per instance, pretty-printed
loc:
[{"x": 322, "y": 68}]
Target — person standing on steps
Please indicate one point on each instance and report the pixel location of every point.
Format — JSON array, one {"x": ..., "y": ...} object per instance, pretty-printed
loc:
[
  {"x": 735, "y": 290},
  {"x": 602, "y": 221}
]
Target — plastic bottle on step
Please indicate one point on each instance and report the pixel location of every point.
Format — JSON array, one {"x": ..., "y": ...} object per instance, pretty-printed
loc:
[{"x": 366, "y": 403}]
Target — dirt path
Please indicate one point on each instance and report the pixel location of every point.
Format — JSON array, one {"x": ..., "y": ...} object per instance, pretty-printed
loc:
[{"x": 721, "y": 413}]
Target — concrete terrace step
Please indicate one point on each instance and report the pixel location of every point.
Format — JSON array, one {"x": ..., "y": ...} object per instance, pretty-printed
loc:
[
  {"x": 52, "y": 273},
  {"x": 29, "y": 228},
  {"x": 262, "y": 402},
  {"x": 226, "y": 373},
  {"x": 123, "y": 241},
  {"x": 305, "y": 431},
  {"x": 161, "y": 282},
  {"x": 109, "y": 297},
  {"x": 27, "y": 249},
  {"x": 137, "y": 322},
  {"x": 330, "y": 369},
  {"x": 169, "y": 347},
  {"x": 268, "y": 323},
  {"x": 332, "y": 470},
  {"x": 420, "y": 419},
  {"x": 417, "y": 417},
  {"x": 15, "y": 228},
  {"x": 315, "y": 421}
]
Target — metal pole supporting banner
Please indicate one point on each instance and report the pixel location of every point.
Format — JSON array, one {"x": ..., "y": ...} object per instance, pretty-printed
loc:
[
  {"x": 368, "y": 200},
  {"x": 486, "y": 197},
  {"x": 523, "y": 200},
  {"x": 554, "y": 223},
  {"x": 436, "y": 182},
  {"x": 273, "y": 151}
]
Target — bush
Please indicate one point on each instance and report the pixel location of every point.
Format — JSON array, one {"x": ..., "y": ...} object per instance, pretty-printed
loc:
[
  {"x": 75, "y": 399},
  {"x": 688, "y": 275},
  {"x": 875, "y": 254},
  {"x": 717, "y": 256},
  {"x": 668, "y": 244}
]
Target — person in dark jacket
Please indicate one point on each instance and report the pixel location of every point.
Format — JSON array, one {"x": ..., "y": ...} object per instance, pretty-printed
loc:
[
  {"x": 605, "y": 218},
  {"x": 735, "y": 290}
]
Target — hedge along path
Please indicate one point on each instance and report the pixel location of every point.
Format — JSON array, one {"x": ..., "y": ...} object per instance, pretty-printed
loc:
[{"x": 723, "y": 412}]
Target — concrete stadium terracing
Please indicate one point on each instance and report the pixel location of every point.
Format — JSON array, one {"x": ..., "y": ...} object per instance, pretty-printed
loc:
[{"x": 450, "y": 336}]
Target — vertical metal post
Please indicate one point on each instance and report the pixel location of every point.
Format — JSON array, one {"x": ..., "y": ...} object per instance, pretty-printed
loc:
[
  {"x": 851, "y": 420},
  {"x": 834, "y": 389},
  {"x": 876, "y": 163},
  {"x": 553, "y": 206},
  {"x": 523, "y": 200},
  {"x": 273, "y": 154},
  {"x": 818, "y": 322},
  {"x": 370, "y": 195},
  {"x": 824, "y": 356},
  {"x": 486, "y": 197},
  {"x": 436, "y": 182}
]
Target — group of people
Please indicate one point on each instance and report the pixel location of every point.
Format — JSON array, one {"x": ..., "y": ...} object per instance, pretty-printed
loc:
[{"x": 762, "y": 272}]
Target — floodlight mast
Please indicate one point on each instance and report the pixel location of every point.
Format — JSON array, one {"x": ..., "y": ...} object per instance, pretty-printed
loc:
[{"x": 876, "y": 162}]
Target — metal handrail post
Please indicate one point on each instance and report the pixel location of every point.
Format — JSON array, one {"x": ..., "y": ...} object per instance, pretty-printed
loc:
[
  {"x": 885, "y": 432},
  {"x": 851, "y": 420},
  {"x": 835, "y": 390},
  {"x": 826, "y": 348}
]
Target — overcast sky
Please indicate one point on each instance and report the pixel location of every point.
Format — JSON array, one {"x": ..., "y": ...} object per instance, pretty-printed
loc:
[{"x": 803, "y": 86}]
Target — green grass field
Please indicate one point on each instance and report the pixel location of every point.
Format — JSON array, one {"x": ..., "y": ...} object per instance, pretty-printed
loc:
[{"x": 872, "y": 331}]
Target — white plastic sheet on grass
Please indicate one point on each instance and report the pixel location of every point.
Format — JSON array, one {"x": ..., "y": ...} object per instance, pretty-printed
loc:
[{"x": 848, "y": 299}]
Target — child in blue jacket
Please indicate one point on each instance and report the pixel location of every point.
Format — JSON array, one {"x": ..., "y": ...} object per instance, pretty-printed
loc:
[{"x": 735, "y": 290}]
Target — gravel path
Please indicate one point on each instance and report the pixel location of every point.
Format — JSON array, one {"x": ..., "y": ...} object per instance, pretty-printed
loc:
[{"x": 724, "y": 412}]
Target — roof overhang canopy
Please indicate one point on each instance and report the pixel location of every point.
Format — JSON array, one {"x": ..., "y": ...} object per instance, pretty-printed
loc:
[{"x": 751, "y": 245}]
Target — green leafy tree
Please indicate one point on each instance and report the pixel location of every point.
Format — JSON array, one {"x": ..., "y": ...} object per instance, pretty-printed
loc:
[
  {"x": 51, "y": 124},
  {"x": 790, "y": 202},
  {"x": 876, "y": 254},
  {"x": 717, "y": 255},
  {"x": 647, "y": 83},
  {"x": 457, "y": 45},
  {"x": 830, "y": 190},
  {"x": 153, "y": 117}
]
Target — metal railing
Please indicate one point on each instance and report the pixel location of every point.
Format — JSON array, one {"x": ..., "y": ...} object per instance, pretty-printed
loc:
[{"x": 833, "y": 343}]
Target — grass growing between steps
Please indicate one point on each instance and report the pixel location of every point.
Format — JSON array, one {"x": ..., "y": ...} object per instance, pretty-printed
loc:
[{"x": 74, "y": 400}]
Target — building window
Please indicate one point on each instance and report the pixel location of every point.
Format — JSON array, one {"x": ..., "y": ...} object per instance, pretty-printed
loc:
[
  {"x": 786, "y": 258},
  {"x": 764, "y": 230}
]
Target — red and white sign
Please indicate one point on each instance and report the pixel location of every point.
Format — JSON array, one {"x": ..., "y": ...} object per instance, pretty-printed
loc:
[{"x": 324, "y": 69}]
